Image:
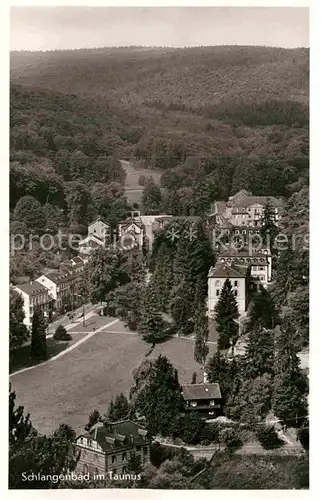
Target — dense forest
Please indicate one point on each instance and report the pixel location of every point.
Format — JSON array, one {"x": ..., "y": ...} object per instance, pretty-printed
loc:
[{"x": 212, "y": 120}]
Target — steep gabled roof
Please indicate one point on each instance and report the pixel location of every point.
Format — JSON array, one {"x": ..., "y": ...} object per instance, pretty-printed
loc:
[
  {"x": 117, "y": 434},
  {"x": 91, "y": 237},
  {"x": 99, "y": 219},
  {"x": 247, "y": 201},
  {"x": 32, "y": 288},
  {"x": 201, "y": 391}
]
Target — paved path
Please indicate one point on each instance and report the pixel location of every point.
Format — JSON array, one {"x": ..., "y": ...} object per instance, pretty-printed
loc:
[{"x": 71, "y": 348}]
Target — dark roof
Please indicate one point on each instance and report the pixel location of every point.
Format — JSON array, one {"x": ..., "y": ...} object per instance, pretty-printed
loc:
[
  {"x": 221, "y": 221},
  {"x": 117, "y": 434},
  {"x": 240, "y": 194},
  {"x": 57, "y": 277},
  {"x": 77, "y": 260},
  {"x": 130, "y": 222},
  {"x": 224, "y": 271},
  {"x": 32, "y": 288},
  {"x": 247, "y": 201},
  {"x": 201, "y": 391}
]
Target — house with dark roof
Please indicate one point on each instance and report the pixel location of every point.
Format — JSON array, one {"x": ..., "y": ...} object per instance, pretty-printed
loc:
[
  {"x": 204, "y": 399},
  {"x": 259, "y": 260},
  {"x": 246, "y": 210},
  {"x": 108, "y": 447},
  {"x": 34, "y": 295},
  {"x": 64, "y": 285}
]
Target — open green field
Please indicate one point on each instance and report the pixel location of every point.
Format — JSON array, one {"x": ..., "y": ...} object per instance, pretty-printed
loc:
[
  {"x": 21, "y": 358},
  {"x": 67, "y": 389},
  {"x": 133, "y": 189}
]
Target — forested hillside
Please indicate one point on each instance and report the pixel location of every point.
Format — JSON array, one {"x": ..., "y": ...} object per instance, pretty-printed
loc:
[{"x": 213, "y": 120}]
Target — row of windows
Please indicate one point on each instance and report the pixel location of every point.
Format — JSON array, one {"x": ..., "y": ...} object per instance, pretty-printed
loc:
[
  {"x": 87, "y": 469},
  {"x": 218, "y": 291},
  {"x": 218, "y": 283},
  {"x": 39, "y": 299},
  {"x": 194, "y": 403}
]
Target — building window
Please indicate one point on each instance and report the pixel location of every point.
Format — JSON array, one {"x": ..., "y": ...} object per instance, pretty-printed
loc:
[
  {"x": 89, "y": 442},
  {"x": 235, "y": 293},
  {"x": 235, "y": 283},
  {"x": 138, "y": 448},
  {"x": 262, "y": 278},
  {"x": 85, "y": 469},
  {"x": 114, "y": 471},
  {"x": 217, "y": 293},
  {"x": 124, "y": 456},
  {"x": 217, "y": 283},
  {"x": 261, "y": 268},
  {"x": 194, "y": 403},
  {"x": 96, "y": 471},
  {"x": 237, "y": 231},
  {"x": 124, "y": 470},
  {"x": 113, "y": 459}
]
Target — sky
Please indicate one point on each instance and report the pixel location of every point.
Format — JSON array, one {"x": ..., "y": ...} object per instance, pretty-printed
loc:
[{"x": 50, "y": 28}]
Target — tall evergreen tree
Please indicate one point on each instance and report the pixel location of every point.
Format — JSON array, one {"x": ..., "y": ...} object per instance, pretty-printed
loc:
[
  {"x": 262, "y": 311},
  {"x": 201, "y": 337},
  {"x": 94, "y": 417},
  {"x": 152, "y": 325},
  {"x": 268, "y": 229},
  {"x": 226, "y": 315},
  {"x": 201, "y": 254},
  {"x": 119, "y": 408},
  {"x": 259, "y": 353},
  {"x": 152, "y": 196},
  {"x": 181, "y": 307},
  {"x": 289, "y": 400},
  {"x": 160, "y": 401},
  {"x": 181, "y": 265},
  {"x": 38, "y": 336},
  {"x": 18, "y": 332}
]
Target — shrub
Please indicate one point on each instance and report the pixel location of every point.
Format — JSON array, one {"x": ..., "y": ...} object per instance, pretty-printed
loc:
[
  {"x": 230, "y": 438},
  {"x": 160, "y": 453},
  {"x": 303, "y": 435},
  {"x": 61, "y": 334},
  {"x": 268, "y": 437},
  {"x": 142, "y": 180}
]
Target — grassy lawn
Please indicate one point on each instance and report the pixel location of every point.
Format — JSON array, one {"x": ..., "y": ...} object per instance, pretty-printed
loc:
[
  {"x": 20, "y": 358},
  {"x": 69, "y": 388}
]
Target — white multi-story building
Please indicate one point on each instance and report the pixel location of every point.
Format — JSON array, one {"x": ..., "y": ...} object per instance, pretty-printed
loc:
[
  {"x": 216, "y": 279},
  {"x": 34, "y": 295},
  {"x": 245, "y": 209},
  {"x": 97, "y": 237}
]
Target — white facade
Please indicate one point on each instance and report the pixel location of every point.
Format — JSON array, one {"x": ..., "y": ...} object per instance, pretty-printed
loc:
[
  {"x": 34, "y": 295},
  {"x": 260, "y": 273},
  {"x": 215, "y": 285},
  {"x": 131, "y": 231},
  {"x": 50, "y": 285},
  {"x": 89, "y": 244},
  {"x": 100, "y": 229}
]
